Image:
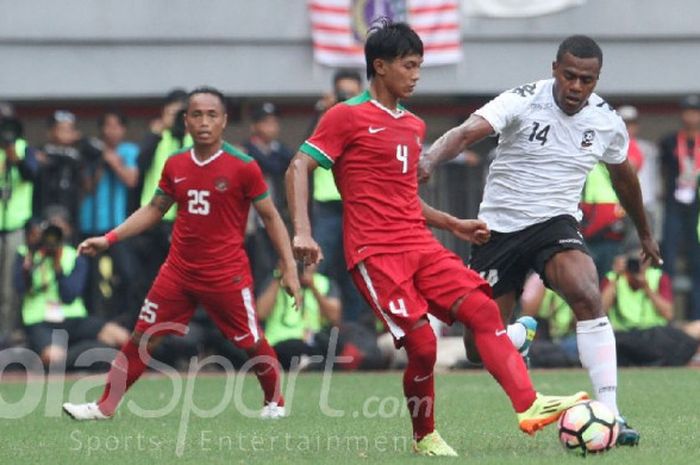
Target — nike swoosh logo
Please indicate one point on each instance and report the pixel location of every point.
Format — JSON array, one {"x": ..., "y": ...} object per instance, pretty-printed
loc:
[
  {"x": 179, "y": 180},
  {"x": 501, "y": 332},
  {"x": 418, "y": 379},
  {"x": 240, "y": 338},
  {"x": 375, "y": 130}
]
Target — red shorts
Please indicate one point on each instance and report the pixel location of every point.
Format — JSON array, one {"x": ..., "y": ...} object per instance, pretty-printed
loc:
[
  {"x": 402, "y": 288},
  {"x": 170, "y": 301}
]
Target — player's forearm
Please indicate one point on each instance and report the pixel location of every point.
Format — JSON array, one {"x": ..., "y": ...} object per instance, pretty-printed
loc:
[
  {"x": 297, "y": 184},
  {"x": 457, "y": 139},
  {"x": 141, "y": 220},
  {"x": 330, "y": 309},
  {"x": 436, "y": 218},
  {"x": 626, "y": 185},
  {"x": 266, "y": 302},
  {"x": 279, "y": 236}
]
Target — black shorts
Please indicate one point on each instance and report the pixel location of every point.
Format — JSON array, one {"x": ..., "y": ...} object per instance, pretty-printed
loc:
[
  {"x": 78, "y": 329},
  {"x": 506, "y": 260}
]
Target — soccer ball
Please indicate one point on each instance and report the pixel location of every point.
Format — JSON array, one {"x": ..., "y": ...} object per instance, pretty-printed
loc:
[{"x": 588, "y": 426}]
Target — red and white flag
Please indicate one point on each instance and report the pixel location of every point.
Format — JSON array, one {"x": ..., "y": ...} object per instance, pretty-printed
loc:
[{"x": 339, "y": 27}]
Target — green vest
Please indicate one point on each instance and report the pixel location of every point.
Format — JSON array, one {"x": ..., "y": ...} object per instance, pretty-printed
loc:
[
  {"x": 557, "y": 312},
  {"x": 633, "y": 309},
  {"x": 19, "y": 208},
  {"x": 325, "y": 189},
  {"x": 42, "y": 298},
  {"x": 167, "y": 146},
  {"x": 285, "y": 322},
  {"x": 598, "y": 187}
]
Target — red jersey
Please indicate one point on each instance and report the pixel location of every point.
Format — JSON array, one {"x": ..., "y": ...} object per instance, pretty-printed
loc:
[
  {"x": 374, "y": 154},
  {"x": 213, "y": 199}
]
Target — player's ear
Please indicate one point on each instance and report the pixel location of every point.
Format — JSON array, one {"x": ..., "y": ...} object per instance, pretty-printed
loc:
[
  {"x": 554, "y": 68},
  {"x": 379, "y": 66},
  {"x": 225, "y": 119}
]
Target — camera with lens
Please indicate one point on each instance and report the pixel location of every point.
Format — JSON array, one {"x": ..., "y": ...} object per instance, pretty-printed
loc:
[
  {"x": 51, "y": 238},
  {"x": 10, "y": 130},
  {"x": 178, "y": 129},
  {"x": 633, "y": 265}
]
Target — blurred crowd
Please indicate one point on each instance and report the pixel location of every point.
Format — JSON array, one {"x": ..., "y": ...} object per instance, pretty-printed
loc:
[{"x": 55, "y": 193}]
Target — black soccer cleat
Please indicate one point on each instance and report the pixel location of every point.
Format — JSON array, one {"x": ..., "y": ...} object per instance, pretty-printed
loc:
[{"x": 627, "y": 436}]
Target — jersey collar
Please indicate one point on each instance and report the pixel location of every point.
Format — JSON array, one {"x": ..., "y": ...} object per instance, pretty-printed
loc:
[
  {"x": 207, "y": 161},
  {"x": 396, "y": 114}
]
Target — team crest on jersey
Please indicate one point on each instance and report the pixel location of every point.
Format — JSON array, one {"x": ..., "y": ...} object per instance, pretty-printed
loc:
[
  {"x": 221, "y": 184},
  {"x": 588, "y": 137}
]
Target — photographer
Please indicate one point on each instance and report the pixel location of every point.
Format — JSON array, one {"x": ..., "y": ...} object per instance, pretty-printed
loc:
[
  {"x": 18, "y": 170},
  {"x": 166, "y": 136},
  {"x": 294, "y": 332},
  {"x": 328, "y": 207},
  {"x": 639, "y": 303},
  {"x": 61, "y": 160},
  {"x": 49, "y": 277},
  {"x": 111, "y": 173}
]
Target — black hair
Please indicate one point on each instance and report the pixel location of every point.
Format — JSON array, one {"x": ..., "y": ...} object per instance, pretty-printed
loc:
[
  {"x": 175, "y": 95},
  {"x": 580, "y": 46},
  {"x": 111, "y": 112},
  {"x": 207, "y": 90},
  {"x": 345, "y": 73},
  {"x": 388, "y": 41}
]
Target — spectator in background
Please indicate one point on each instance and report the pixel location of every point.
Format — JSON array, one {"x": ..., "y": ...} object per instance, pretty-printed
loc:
[
  {"x": 18, "y": 169},
  {"x": 680, "y": 162},
  {"x": 111, "y": 173},
  {"x": 166, "y": 136},
  {"x": 555, "y": 343},
  {"x": 296, "y": 332},
  {"x": 639, "y": 303},
  {"x": 328, "y": 207},
  {"x": 49, "y": 277},
  {"x": 644, "y": 155},
  {"x": 603, "y": 224},
  {"x": 60, "y": 176},
  {"x": 273, "y": 157}
]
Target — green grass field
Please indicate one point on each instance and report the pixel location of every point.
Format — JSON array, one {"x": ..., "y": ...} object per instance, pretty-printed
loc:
[{"x": 472, "y": 414}]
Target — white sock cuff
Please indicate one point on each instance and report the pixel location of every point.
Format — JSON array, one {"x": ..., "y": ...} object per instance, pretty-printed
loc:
[{"x": 593, "y": 326}]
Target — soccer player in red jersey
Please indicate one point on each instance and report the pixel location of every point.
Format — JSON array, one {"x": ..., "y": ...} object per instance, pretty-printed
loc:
[
  {"x": 213, "y": 185},
  {"x": 373, "y": 144}
]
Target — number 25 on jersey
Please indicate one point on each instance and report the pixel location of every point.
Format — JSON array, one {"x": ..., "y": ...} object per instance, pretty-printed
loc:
[{"x": 198, "y": 203}]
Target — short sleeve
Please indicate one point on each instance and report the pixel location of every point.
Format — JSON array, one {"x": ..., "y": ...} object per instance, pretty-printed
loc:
[
  {"x": 331, "y": 136},
  {"x": 129, "y": 153},
  {"x": 165, "y": 185},
  {"x": 503, "y": 110},
  {"x": 255, "y": 185},
  {"x": 616, "y": 152}
]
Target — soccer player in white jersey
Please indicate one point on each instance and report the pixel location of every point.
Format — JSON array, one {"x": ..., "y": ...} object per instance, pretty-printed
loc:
[{"x": 551, "y": 134}]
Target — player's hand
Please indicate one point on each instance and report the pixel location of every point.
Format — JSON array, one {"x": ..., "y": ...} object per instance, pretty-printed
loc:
[
  {"x": 306, "y": 250},
  {"x": 93, "y": 245},
  {"x": 650, "y": 251},
  {"x": 425, "y": 169},
  {"x": 474, "y": 231},
  {"x": 290, "y": 283}
]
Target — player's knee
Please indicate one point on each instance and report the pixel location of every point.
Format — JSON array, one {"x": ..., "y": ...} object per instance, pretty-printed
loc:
[
  {"x": 585, "y": 302},
  {"x": 479, "y": 313},
  {"x": 421, "y": 346}
]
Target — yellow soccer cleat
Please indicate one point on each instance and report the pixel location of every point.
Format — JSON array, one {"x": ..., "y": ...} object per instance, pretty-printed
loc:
[
  {"x": 546, "y": 410},
  {"x": 433, "y": 445}
]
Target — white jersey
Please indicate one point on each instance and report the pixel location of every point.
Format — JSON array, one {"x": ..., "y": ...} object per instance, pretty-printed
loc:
[{"x": 544, "y": 155}]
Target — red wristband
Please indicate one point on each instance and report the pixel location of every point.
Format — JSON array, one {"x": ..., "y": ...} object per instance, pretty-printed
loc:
[{"x": 111, "y": 237}]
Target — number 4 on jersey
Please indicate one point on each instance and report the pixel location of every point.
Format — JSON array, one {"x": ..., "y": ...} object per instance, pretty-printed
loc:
[{"x": 402, "y": 156}]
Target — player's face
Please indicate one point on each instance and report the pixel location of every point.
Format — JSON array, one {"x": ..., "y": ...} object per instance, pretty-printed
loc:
[
  {"x": 402, "y": 74},
  {"x": 205, "y": 119},
  {"x": 575, "y": 79}
]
